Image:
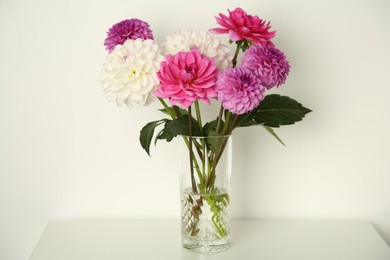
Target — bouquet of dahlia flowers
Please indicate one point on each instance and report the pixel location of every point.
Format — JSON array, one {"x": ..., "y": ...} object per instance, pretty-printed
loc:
[{"x": 192, "y": 67}]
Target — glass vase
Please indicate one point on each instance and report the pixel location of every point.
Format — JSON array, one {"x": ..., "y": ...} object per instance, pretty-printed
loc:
[{"x": 205, "y": 173}]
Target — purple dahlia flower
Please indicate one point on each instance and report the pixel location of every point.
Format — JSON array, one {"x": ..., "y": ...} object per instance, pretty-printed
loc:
[
  {"x": 127, "y": 29},
  {"x": 239, "y": 90},
  {"x": 268, "y": 63}
]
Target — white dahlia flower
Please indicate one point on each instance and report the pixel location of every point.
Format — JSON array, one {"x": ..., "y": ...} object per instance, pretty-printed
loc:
[
  {"x": 206, "y": 43},
  {"x": 129, "y": 73}
]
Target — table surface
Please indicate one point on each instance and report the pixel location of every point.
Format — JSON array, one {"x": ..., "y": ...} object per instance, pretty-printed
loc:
[{"x": 250, "y": 239}]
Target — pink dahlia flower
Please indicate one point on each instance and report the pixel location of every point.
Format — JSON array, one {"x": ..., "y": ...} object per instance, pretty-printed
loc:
[
  {"x": 268, "y": 63},
  {"x": 127, "y": 29},
  {"x": 187, "y": 77},
  {"x": 239, "y": 90},
  {"x": 239, "y": 25}
]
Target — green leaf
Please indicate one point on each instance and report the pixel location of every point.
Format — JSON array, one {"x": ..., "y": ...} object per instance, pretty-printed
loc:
[
  {"x": 213, "y": 144},
  {"x": 174, "y": 110},
  {"x": 146, "y": 134},
  {"x": 163, "y": 135},
  {"x": 276, "y": 110},
  {"x": 246, "y": 119},
  {"x": 249, "y": 123},
  {"x": 179, "y": 126},
  {"x": 245, "y": 46},
  {"x": 158, "y": 134},
  {"x": 272, "y": 132},
  {"x": 211, "y": 126}
]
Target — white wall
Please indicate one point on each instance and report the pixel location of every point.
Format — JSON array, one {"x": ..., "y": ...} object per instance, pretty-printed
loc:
[{"x": 65, "y": 152}]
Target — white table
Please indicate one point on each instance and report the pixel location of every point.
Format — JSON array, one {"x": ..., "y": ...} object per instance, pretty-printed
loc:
[{"x": 254, "y": 239}]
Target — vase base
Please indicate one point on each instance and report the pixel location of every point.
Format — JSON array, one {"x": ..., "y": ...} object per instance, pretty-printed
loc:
[{"x": 206, "y": 246}]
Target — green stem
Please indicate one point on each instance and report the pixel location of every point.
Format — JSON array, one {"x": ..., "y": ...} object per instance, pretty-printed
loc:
[
  {"x": 176, "y": 110},
  {"x": 219, "y": 119},
  {"x": 204, "y": 157},
  {"x": 221, "y": 149},
  {"x": 167, "y": 108},
  {"x": 233, "y": 125},
  {"x": 227, "y": 119},
  {"x": 203, "y": 141},
  {"x": 225, "y": 130},
  {"x": 172, "y": 114},
  {"x": 234, "y": 61},
  {"x": 194, "y": 189},
  {"x": 198, "y": 116}
]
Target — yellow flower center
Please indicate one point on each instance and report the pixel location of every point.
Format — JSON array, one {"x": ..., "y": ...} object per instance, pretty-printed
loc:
[{"x": 134, "y": 73}]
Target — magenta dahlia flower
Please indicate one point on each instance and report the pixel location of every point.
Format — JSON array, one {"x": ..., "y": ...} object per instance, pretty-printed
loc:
[
  {"x": 239, "y": 25},
  {"x": 127, "y": 29},
  {"x": 239, "y": 90},
  {"x": 268, "y": 63},
  {"x": 187, "y": 77}
]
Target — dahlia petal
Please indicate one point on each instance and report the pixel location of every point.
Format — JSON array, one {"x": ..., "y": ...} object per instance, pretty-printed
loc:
[
  {"x": 205, "y": 84},
  {"x": 181, "y": 79},
  {"x": 239, "y": 25},
  {"x": 186, "y": 104},
  {"x": 122, "y": 95},
  {"x": 219, "y": 30},
  {"x": 244, "y": 30},
  {"x": 203, "y": 66},
  {"x": 137, "y": 98},
  {"x": 159, "y": 94},
  {"x": 190, "y": 58},
  {"x": 189, "y": 93},
  {"x": 207, "y": 44},
  {"x": 238, "y": 90},
  {"x": 171, "y": 91},
  {"x": 205, "y": 100},
  {"x": 174, "y": 102},
  {"x": 211, "y": 93},
  {"x": 129, "y": 72},
  {"x": 129, "y": 103},
  {"x": 132, "y": 29},
  {"x": 223, "y": 20},
  {"x": 209, "y": 71},
  {"x": 135, "y": 85},
  {"x": 239, "y": 21},
  {"x": 268, "y": 63},
  {"x": 234, "y": 36}
]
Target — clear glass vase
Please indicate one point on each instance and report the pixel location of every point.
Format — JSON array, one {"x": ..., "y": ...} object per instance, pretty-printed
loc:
[{"x": 205, "y": 173}]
